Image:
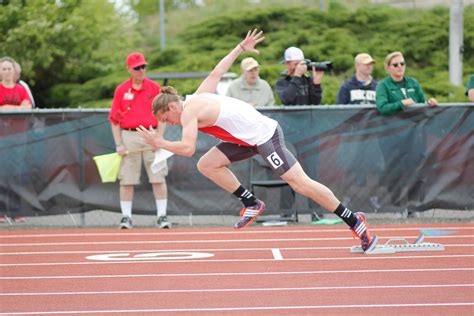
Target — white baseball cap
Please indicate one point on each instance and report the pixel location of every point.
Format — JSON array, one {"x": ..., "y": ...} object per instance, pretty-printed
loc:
[{"x": 293, "y": 53}]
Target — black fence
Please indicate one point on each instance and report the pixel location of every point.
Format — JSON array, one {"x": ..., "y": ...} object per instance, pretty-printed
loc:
[{"x": 420, "y": 159}]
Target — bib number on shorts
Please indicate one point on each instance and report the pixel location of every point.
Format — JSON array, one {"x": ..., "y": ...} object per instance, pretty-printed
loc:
[{"x": 275, "y": 160}]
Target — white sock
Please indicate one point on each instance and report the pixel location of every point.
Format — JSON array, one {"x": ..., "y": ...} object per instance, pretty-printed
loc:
[
  {"x": 126, "y": 207},
  {"x": 161, "y": 207}
]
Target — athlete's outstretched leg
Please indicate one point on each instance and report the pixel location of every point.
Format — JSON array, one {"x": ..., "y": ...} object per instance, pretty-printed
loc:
[
  {"x": 319, "y": 193},
  {"x": 213, "y": 165}
]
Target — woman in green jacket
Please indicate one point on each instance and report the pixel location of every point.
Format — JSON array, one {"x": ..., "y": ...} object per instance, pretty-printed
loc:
[
  {"x": 404, "y": 149},
  {"x": 398, "y": 92}
]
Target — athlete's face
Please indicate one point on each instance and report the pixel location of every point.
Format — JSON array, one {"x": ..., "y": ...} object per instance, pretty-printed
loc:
[{"x": 171, "y": 116}]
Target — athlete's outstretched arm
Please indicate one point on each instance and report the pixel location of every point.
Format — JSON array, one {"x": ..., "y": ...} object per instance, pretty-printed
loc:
[{"x": 247, "y": 45}]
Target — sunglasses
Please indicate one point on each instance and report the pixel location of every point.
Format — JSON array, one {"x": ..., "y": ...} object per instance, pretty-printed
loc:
[
  {"x": 396, "y": 64},
  {"x": 139, "y": 67}
]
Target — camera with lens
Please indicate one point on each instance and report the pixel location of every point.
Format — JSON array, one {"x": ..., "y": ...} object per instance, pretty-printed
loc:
[{"x": 318, "y": 65}]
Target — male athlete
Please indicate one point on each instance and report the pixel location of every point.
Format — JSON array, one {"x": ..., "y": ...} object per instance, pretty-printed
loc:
[{"x": 244, "y": 132}]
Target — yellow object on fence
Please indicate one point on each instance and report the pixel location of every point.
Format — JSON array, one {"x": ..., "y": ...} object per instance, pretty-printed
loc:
[{"x": 108, "y": 166}]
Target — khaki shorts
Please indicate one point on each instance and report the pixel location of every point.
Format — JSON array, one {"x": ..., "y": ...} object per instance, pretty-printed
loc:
[{"x": 131, "y": 167}]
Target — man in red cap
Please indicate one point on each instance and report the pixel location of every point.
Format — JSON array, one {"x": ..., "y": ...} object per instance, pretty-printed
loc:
[{"x": 131, "y": 107}]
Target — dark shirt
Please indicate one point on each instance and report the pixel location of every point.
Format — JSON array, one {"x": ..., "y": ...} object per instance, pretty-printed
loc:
[
  {"x": 355, "y": 92},
  {"x": 298, "y": 91}
]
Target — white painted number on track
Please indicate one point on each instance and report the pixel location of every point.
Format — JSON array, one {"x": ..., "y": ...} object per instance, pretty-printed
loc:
[{"x": 151, "y": 256}]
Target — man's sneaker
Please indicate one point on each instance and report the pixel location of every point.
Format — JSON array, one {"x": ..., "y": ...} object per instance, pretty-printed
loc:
[
  {"x": 360, "y": 231},
  {"x": 249, "y": 214},
  {"x": 163, "y": 222},
  {"x": 125, "y": 223}
]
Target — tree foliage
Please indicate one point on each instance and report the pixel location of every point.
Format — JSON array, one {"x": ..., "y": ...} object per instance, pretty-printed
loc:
[
  {"x": 68, "y": 41},
  {"x": 73, "y": 51}
]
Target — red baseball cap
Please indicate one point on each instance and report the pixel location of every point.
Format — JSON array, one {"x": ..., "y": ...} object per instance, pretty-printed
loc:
[{"x": 136, "y": 59}]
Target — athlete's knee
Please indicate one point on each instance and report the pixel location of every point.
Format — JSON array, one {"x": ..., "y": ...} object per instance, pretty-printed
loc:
[
  {"x": 298, "y": 184},
  {"x": 206, "y": 165}
]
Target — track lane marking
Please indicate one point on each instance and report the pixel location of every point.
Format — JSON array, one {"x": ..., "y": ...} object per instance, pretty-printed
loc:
[
  {"x": 312, "y": 288},
  {"x": 220, "y": 274},
  {"x": 258, "y": 308},
  {"x": 192, "y": 249},
  {"x": 248, "y": 232},
  {"x": 191, "y": 241},
  {"x": 361, "y": 257},
  {"x": 277, "y": 254}
]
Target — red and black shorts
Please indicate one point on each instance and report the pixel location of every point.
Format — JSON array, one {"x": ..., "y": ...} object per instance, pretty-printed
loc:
[{"x": 274, "y": 152}]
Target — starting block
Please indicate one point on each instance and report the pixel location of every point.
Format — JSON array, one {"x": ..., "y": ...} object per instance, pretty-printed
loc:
[{"x": 394, "y": 245}]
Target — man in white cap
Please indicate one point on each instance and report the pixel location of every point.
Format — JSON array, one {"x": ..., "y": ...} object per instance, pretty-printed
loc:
[
  {"x": 360, "y": 89},
  {"x": 249, "y": 87},
  {"x": 295, "y": 88}
]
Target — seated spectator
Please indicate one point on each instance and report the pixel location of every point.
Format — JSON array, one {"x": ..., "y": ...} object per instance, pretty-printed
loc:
[
  {"x": 249, "y": 87},
  {"x": 295, "y": 88},
  {"x": 12, "y": 95},
  {"x": 361, "y": 88},
  {"x": 18, "y": 80},
  {"x": 397, "y": 92},
  {"x": 470, "y": 88}
]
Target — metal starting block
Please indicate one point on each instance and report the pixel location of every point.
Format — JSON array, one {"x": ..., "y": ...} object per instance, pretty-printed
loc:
[{"x": 402, "y": 246}]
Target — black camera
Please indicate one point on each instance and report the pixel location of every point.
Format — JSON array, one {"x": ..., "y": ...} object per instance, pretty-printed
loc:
[{"x": 318, "y": 65}]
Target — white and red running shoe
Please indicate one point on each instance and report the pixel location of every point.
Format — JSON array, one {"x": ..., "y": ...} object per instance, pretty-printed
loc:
[{"x": 249, "y": 214}]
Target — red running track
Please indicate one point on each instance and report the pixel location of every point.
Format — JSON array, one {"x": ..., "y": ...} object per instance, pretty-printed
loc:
[{"x": 258, "y": 271}]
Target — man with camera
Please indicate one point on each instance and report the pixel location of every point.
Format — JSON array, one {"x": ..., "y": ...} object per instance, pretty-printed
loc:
[{"x": 295, "y": 88}]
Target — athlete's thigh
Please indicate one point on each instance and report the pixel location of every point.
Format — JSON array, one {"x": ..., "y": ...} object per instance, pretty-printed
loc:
[
  {"x": 235, "y": 152},
  {"x": 214, "y": 158},
  {"x": 275, "y": 153}
]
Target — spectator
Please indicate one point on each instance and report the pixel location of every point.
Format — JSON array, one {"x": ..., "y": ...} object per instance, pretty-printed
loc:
[
  {"x": 22, "y": 83},
  {"x": 295, "y": 88},
  {"x": 394, "y": 94},
  {"x": 12, "y": 95},
  {"x": 398, "y": 92},
  {"x": 249, "y": 87},
  {"x": 470, "y": 88},
  {"x": 360, "y": 89},
  {"x": 131, "y": 107}
]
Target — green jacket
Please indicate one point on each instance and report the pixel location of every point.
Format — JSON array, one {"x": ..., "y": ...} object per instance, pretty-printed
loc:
[{"x": 389, "y": 96}]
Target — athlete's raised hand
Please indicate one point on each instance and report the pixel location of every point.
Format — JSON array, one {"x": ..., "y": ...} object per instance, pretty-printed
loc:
[{"x": 251, "y": 40}]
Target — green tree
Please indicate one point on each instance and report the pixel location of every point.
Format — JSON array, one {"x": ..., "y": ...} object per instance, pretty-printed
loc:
[{"x": 68, "y": 41}]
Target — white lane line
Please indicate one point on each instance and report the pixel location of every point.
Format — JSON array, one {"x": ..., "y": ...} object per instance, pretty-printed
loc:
[
  {"x": 250, "y": 308},
  {"x": 277, "y": 254},
  {"x": 190, "y": 249},
  {"x": 230, "y": 232},
  {"x": 212, "y": 241},
  {"x": 372, "y": 257},
  {"x": 221, "y": 274},
  {"x": 277, "y": 289}
]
